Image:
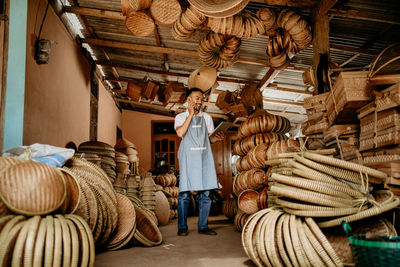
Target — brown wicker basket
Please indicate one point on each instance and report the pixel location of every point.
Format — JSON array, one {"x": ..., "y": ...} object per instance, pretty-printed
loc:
[
  {"x": 165, "y": 12},
  {"x": 140, "y": 23}
]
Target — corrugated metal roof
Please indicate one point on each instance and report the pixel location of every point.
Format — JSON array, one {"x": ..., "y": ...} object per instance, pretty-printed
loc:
[{"x": 349, "y": 32}]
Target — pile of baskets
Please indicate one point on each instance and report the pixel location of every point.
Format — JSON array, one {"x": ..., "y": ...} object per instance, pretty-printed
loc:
[
  {"x": 272, "y": 237},
  {"x": 329, "y": 189},
  {"x": 240, "y": 220},
  {"x": 141, "y": 15},
  {"x": 251, "y": 183},
  {"x": 148, "y": 192},
  {"x": 106, "y": 153},
  {"x": 230, "y": 208},
  {"x": 53, "y": 240},
  {"x": 168, "y": 181}
]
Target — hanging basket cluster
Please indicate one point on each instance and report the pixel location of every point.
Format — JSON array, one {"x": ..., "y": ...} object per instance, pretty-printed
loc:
[
  {"x": 187, "y": 24},
  {"x": 218, "y": 50},
  {"x": 289, "y": 34},
  {"x": 243, "y": 25}
]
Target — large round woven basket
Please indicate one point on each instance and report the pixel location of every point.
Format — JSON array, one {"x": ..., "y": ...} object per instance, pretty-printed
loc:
[
  {"x": 248, "y": 201},
  {"x": 126, "y": 221},
  {"x": 32, "y": 188},
  {"x": 140, "y": 23},
  {"x": 165, "y": 12},
  {"x": 128, "y": 6},
  {"x": 162, "y": 208},
  {"x": 147, "y": 232}
]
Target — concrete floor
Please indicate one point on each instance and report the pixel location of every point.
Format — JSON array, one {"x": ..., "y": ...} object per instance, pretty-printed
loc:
[{"x": 224, "y": 249}]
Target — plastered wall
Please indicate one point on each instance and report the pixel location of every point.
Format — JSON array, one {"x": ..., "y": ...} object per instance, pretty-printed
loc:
[
  {"x": 136, "y": 127},
  {"x": 57, "y": 95}
]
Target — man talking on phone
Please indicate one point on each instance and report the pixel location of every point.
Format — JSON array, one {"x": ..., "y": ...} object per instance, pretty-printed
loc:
[{"x": 196, "y": 162}]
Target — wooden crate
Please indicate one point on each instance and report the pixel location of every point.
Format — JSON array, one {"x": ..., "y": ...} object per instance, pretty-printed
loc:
[
  {"x": 150, "y": 91},
  {"x": 339, "y": 130},
  {"x": 317, "y": 101},
  {"x": 224, "y": 101},
  {"x": 388, "y": 98},
  {"x": 134, "y": 91},
  {"x": 349, "y": 93},
  {"x": 175, "y": 92},
  {"x": 385, "y": 119}
]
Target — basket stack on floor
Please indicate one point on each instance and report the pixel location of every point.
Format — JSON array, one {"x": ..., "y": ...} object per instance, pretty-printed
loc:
[
  {"x": 380, "y": 134},
  {"x": 168, "y": 181},
  {"x": 312, "y": 191},
  {"x": 106, "y": 153},
  {"x": 148, "y": 192},
  {"x": 258, "y": 139},
  {"x": 29, "y": 193},
  {"x": 128, "y": 148}
]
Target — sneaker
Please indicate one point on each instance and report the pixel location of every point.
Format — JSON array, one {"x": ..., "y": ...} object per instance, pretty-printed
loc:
[
  {"x": 183, "y": 232},
  {"x": 207, "y": 231}
]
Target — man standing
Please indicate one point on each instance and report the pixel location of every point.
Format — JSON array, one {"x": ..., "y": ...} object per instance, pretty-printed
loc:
[{"x": 196, "y": 162}]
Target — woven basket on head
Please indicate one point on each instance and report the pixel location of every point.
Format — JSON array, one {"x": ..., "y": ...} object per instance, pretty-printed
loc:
[
  {"x": 165, "y": 12},
  {"x": 140, "y": 23},
  {"x": 32, "y": 188}
]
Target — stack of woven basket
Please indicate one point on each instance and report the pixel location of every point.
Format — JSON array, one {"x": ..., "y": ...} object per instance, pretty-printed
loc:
[
  {"x": 272, "y": 237},
  {"x": 148, "y": 192},
  {"x": 168, "y": 182},
  {"x": 31, "y": 190},
  {"x": 133, "y": 185},
  {"x": 128, "y": 148},
  {"x": 258, "y": 140},
  {"x": 94, "y": 158},
  {"x": 105, "y": 152},
  {"x": 141, "y": 15},
  {"x": 230, "y": 208},
  {"x": 97, "y": 203},
  {"x": 240, "y": 220}
]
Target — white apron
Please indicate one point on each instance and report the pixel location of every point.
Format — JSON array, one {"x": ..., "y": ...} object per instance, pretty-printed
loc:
[{"x": 196, "y": 162}]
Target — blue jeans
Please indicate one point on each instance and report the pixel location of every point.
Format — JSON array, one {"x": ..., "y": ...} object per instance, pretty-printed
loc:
[{"x": 204, "y": 209}]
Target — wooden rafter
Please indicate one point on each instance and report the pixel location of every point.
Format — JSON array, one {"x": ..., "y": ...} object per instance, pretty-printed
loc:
[
  {"x": 290, "y": 90},
  {"x": 268, "y": 77},
  {"x": 160, "y": 107},
  {"x": 370, "y": 16},
  {"x": 282, "y": 102},
  {"x": 325, "y": 5},
  {"x": 163, "y": 50},
  {"x": 152, "y": 71},
  {"x": 352, "y": 50}
]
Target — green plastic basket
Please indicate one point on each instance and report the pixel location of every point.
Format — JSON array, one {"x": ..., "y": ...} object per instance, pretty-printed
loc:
[{"x": 372, "y": 252}]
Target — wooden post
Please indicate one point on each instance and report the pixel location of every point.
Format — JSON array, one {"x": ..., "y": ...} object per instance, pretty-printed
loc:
[{"x": 320, "y": 23}]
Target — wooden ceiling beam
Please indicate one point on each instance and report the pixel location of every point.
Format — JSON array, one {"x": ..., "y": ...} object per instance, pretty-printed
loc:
[
  {"x": 289, "y": 90},
  {"x": 268, "y": 78},
  {"x": 352, "y": 50},
  {"x": 282, "y": 102},
  {"x": 162, "y": 50},
  {"x": 160, "y": 107},
  {"x": 160, "y": 72},
  {"x": 288, "y": 114},
  {"x": 290, "y": 3},
  {"x": 93, "y": 12},
  {"x": 362, "y": 15}
]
